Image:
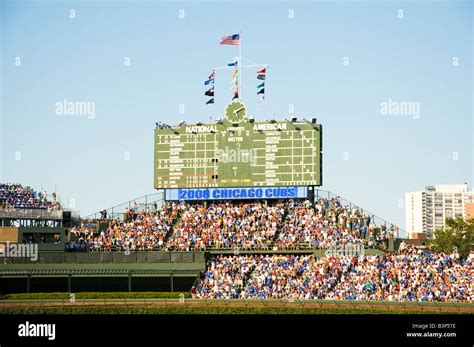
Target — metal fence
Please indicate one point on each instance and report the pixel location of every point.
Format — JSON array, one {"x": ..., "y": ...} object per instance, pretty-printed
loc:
[
  {"x": 139, "y": 204},
  {"x": 30, "y": 213},
  {"x": 109, "y": 257}
]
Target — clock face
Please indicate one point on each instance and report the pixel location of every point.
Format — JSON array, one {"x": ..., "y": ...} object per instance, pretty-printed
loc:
[{"x": 235, "y": 112}]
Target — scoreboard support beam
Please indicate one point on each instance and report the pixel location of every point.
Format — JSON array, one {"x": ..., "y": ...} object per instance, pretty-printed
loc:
[
  {"x": 311, "y": 190},
  {"x": 240, "y": 67}
]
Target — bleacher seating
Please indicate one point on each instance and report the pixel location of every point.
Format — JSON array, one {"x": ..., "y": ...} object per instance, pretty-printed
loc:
[
  {"x": 241, "y": 225},
  {"x": 409, "y": 276},
  {"x": 14, "y": 195}
]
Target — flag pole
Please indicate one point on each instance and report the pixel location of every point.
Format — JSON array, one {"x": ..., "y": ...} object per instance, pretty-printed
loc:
[{"x": 240, "y": 65}]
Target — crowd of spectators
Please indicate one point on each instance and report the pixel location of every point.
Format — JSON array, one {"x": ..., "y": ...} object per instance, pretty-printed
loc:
[
  {"x": 326, "y": 223},
  {"x": 413, "y": 275},
  {"x": 14, "y": 195},
  {"x": 141, "y": 231},
  {"x": 225, "y": 277},
  {"x": 79, "y": 239},
  {"x": 241, "y": 225}
]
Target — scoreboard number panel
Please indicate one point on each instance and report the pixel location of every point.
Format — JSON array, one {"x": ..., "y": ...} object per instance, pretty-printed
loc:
[{"x": 238, "y": 153}]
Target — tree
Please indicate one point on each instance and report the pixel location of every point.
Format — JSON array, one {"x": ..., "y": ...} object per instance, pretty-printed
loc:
[{"x": 458, "y": 233}]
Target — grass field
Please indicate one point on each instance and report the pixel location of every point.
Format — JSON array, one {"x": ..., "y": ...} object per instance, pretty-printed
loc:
[
  {"x": 96, "y": 295},
  {"x": 216, "y": 310},
  {"x": 181, "y": 303}
]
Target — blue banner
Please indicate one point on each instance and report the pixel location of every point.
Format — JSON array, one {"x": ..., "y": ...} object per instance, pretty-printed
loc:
[{"x": 237, "y": 193}]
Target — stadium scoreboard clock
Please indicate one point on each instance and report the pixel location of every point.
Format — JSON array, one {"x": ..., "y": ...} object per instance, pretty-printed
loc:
[{"x": 238, "y": 152}]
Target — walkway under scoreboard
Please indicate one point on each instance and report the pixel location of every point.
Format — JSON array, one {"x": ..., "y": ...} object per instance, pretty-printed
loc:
[{"x": 238, "y": 152}]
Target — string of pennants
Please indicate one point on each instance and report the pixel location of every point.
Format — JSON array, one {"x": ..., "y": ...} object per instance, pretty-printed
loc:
[
  {"x": 210, "y": 82},
  {"x": 235, "y": 79},
  {"x": 261, "y": 75}
]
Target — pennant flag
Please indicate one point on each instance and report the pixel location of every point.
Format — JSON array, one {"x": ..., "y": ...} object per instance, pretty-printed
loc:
[
  {"x": 209, "y": 92},
  {"x": 211, "y": 101},
  {"x": 210, "y": 80},
  {"x": 231, "y": 40},
  {"x": 236, "y": 95},
  {"x": 234, "y": 79},
  {"x": 261, "y": 76},
  {"x": 232, "y": 64},
  {"x": 212, "y": 75}
]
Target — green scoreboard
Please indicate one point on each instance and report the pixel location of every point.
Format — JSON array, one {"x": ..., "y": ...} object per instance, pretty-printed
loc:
[{"x": 238, "y": 152}]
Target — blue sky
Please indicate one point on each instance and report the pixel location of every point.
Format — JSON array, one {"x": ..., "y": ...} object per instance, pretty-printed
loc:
[{"x": 82, "y": 59}]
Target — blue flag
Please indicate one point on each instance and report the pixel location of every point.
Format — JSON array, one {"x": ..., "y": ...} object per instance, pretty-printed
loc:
[{"x": 210, "y": 80}]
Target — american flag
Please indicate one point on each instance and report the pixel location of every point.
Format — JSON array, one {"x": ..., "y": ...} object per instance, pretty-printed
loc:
[{"x": 231, "y": 40}]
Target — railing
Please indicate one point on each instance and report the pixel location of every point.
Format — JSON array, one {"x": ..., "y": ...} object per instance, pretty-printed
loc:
[
  {"x": 304, "y": 247},
  {"x": 31, "y": 213},
  {"x": 118, "y": 257},
  {"x": 140, "y": 204}
]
